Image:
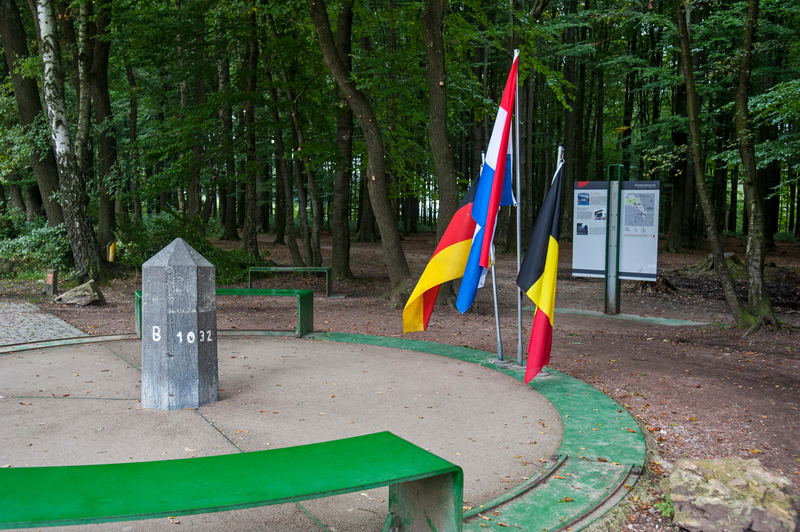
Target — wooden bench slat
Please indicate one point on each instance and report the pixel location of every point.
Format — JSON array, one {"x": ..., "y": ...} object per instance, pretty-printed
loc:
[{"x": 54, "y": 496}]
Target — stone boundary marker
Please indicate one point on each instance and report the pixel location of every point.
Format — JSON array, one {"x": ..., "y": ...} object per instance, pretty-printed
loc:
[{"x": 179, "y": 329}]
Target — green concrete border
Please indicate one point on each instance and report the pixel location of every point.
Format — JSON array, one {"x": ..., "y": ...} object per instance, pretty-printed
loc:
[
  {"x": 601, "y": 439},
  {"x": 601, "y": 446}
]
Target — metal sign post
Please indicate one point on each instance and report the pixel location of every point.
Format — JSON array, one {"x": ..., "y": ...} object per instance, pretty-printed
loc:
[{"x": 613, "y": 208}]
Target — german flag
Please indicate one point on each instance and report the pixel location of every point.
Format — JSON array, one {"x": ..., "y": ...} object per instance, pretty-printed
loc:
[
  {"x": 537, "y": 277},
  {"x": 448, "y": 263}
]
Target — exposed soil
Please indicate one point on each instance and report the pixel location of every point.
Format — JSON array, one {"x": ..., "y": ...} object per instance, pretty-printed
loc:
[{"x": 699, "y": 391}]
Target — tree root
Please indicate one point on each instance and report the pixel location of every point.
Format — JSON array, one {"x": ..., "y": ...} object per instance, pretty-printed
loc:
[{"x": 769, "y": 321}]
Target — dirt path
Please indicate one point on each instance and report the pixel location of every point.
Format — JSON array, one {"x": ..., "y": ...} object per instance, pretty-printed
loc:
[{"x": 700, "y": 391}]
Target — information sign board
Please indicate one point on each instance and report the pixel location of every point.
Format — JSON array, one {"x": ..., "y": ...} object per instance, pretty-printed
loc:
[{"x": 639, "y": 215}]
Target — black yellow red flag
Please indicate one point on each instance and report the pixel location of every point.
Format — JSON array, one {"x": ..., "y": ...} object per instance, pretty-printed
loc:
[{"x": 537, "y": 276}]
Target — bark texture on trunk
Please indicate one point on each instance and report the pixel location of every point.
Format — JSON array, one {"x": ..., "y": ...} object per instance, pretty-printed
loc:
[
  {"x": 340, "y": 229},
  {"x": 432, "y": 20},
  {"x": 399, "y": 274},
  {"x": 284, "y": 175},
  {"x": 739, "y": 312},
  {"x": 86, "y": 253},
  {"x": 101, "y": 99},
  {"x": 758, "y": 300},
  {"x": 229, "y": 231},
  {"x": 249, "y": 234},
  {"x": 569, "y": 128},
  {"x": 29, "y": 104}
]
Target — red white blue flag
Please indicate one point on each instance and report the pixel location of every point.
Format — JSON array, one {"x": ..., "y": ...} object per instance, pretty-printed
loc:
[{"x": 494, "y": 190}]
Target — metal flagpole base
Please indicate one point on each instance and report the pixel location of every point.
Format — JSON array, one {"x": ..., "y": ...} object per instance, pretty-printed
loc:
[
  {"x": 517, "y": 367},
  {"x": 499, "y": 361}
]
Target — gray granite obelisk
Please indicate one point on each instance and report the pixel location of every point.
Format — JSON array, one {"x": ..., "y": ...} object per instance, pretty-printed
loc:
[{"x": 179, "y": 329}]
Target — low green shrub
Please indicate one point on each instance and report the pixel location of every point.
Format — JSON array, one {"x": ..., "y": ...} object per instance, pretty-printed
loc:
[
  {"x": 141, "y": 239},
  {"x": 36, "y": 247}
]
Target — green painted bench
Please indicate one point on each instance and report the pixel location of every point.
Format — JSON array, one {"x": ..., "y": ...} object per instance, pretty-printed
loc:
[
  {"x": 293, "y": 269},
  {"x": 305, "y": 305},
  {"x": 425, "y": 491}
]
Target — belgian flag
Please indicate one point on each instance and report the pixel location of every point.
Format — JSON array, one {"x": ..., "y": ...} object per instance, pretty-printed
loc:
[
  {"x": 448, "y": 263},
  {"x": 537, "y": 277}
]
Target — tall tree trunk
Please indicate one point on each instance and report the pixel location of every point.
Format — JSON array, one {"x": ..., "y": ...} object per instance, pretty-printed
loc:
[
  {"x": 33, "y": 204},
  {"x": 29, "y": 105},
  {"x": 758, "y": 300},
  {"x": 280, "y": 203},
  {"x": 85, "y": 251},
  {"x": 733, "y": 217},
  {"x": 64, "y": 13},
  {"x": 340, "y": 226},
  {"x": 739, "y": 312},
  {"x": 432, "y": 20},
  {"x": 284, "y": 174},
  {"x": 569, "y": 124},
  {"x": 627, "y": 113},
  {"x": 101, "y": 99},
  {"x": 366, "y": 218},
  {"x": 249, "y": 234},
  {"x": 680, "y": 170},
  {"x": 600, "y": 172},
  {"x": 133, "y": 128},
  {"x": 792, "y": 204},
  {"x": 720, "y": 183},
  {"x": 311, "y": 232},
  {"x": 580, "y": 138},
  {"x": 193, "y": 199},
  {"x": 399, "y": 274},
  {"x": 84, "y": 155},
  {"x": 302, "y": 205},
  {"x": 229, "y": 231}
]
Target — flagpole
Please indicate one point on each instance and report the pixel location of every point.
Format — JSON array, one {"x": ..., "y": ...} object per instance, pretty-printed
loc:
[
  {"x": 519, "y": 220},
  {"x": 500, "y": 359}
]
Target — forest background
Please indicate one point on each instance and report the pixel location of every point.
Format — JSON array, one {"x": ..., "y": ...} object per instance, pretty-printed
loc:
[{"x": 133, "y": 122}]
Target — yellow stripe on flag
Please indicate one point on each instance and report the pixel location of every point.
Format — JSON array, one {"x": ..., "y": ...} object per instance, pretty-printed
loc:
[
  {"x": 445, "y": 266},
  {"x": 543, "y": 291}
]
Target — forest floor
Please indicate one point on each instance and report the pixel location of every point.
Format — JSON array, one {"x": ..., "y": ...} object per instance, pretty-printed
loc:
[{"x": 698, "y": 391}]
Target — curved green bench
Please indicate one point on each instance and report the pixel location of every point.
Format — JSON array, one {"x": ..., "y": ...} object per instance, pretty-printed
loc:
[{"x": 424, "y": 490}]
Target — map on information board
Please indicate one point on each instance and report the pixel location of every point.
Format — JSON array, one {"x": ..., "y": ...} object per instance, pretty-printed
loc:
[{"x": 639, "y": 210}]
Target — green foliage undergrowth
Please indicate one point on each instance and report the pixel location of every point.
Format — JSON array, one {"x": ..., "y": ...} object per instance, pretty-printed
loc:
[
  {"x": 33, "y": 246},
  {"x": 665, "y": 507},
  {"x": 141, "y": 239}
]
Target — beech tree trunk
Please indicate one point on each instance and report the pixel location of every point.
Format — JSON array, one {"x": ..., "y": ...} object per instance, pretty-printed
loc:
[
  {"x": 101, "y": 99},
  {"x": 311, "y": 232},
  {"x": 229, "y": 231},
  {"x": 758, "y": 300},
  {"x": 284, "y": 175},
  {"x": 399, "y": 274},
  {"x": 432, "y": 20},
  {"x": 133, "y": 120},
  {"x": 85, "y": 251},
  {"x": 249, "y": 234},
  {"x": 193, "y": 199},
  {"x": 739, "y": 312},
  {"x": 340, "y": 229},
  {"x": 29, "y": 104},
  {"x": 569, "y": 128}
]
